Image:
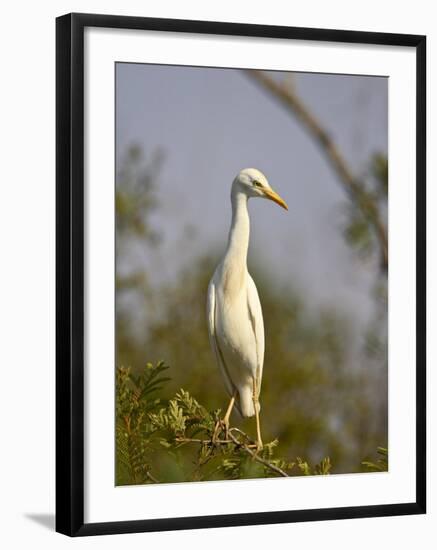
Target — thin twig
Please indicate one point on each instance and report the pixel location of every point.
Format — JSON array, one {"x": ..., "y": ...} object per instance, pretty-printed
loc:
[
  {"x": 288, "y": 96},
  {"x": 203, "y": 441}
]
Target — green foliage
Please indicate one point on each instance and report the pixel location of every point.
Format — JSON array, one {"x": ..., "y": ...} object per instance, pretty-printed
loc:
[
  {"x": 135, "y": 196},
  {"x": 153, "y": 431},
  {"x": 381, "y": 464},
  {"x": 135, "y": 401},
  {"x": 159, "y": 440},
  {"x": 358, "y": 230},
  {"x": 323, "y": 468}
]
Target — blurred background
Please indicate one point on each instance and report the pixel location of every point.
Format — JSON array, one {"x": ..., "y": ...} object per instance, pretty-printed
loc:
[{"x": 182, "y": 134}]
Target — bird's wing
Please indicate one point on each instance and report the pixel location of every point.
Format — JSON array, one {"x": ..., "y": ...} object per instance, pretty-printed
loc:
[
  {"x": 256, "y": 319},
  {"x": 210, "y": 309}
]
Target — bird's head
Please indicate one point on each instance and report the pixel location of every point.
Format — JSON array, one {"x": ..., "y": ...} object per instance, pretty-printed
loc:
[{"x": 253, "y": 183}]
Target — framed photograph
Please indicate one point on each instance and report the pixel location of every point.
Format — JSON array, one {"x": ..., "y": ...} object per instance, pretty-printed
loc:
[{"x": 224, "y": 360}]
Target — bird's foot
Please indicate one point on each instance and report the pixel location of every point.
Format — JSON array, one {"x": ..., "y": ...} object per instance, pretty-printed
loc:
[
  {"x": 225, "y": 426},
  {"x": 221, "y": 425},
  {"x": 258, "y": 448},
  {"x": 216, "y": 433}
]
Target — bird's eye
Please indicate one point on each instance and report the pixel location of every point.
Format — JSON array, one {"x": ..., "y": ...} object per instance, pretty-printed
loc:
[{"x": 256, "y": 183}]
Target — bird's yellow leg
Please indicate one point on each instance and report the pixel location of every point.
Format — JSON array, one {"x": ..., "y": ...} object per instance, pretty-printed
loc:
[
  {"x": 228, "y": 412},
  {"x": 225, "y": 421},
  {"x": 259, "y": 443},
  {"x": 216, "y": 431}
]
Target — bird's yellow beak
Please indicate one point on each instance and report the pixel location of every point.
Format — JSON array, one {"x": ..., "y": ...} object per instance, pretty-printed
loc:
[{"x": 273, "y": 196}]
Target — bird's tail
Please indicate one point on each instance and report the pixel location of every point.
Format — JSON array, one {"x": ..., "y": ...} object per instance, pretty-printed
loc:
[{"x": 244, "y": 403}]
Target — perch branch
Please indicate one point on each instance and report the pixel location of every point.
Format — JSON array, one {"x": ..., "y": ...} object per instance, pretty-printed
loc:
[
  {"x": 288, "y": 97},
  {"x": 232, "y": 439}
]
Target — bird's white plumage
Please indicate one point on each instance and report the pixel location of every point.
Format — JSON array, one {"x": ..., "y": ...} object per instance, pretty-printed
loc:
[
  {"x": 236, "y": 334},
  {"x": 235, "y": 321},
  {"x": 214, "y": 341},
  {"x": 257, "y": 321}
]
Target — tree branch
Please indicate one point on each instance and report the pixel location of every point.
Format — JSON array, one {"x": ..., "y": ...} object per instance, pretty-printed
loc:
[
  {"x": 288, "y": 97},
  {"x": 256, "y": 457},
  {"x": 232, "y": 439}
]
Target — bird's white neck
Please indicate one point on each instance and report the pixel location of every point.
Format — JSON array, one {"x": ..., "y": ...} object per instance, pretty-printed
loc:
[{"x": 235, "y": 260}]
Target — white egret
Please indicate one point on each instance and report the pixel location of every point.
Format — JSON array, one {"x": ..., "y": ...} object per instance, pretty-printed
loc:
[{"x": 235, "y": 321}]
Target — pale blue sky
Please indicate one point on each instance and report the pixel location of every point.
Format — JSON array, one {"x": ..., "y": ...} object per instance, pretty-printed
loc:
[{"x": 211, "y": 123}]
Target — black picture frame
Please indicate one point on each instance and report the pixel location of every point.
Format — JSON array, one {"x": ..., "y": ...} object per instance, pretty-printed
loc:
[{"x": 70, "y": 273}]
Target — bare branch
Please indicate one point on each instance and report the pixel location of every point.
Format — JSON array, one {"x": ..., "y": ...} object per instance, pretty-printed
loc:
[
  {"x": 288, "y": 97},
  {"x": 182, "y": 440},
  {"x": 245, "y": 447}
]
